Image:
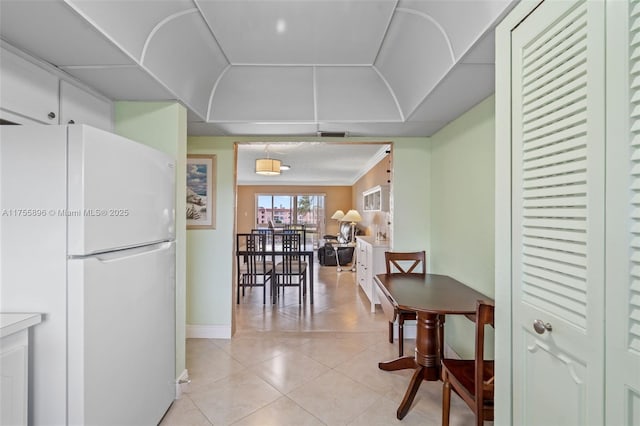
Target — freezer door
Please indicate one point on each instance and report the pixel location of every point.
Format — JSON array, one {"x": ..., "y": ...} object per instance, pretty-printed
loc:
[
  {"x": 120, "y": 193},
  {"x": 121, "y": 333}
]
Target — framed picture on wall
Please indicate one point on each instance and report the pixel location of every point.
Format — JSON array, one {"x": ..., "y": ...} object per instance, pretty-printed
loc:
[{"x": 201, "y": 195}]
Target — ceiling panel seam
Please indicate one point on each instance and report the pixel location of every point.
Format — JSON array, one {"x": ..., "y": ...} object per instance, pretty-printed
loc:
[
  {"x": 274, "y": 121},
  {"x": 393, "y": 94},
  {"x": 386, "y": 31},
  {"x": 213, "y": 90},
  {"x": 293, "y": 65},
  {"x": 315, "y": 98},
  {"x": 159, "y": 25},
  {"x": 434, "y": 22},
  {"x": 213, "y": 34}
]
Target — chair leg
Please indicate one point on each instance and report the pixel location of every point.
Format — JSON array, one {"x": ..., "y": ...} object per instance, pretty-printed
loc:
[
  {"x": 401, "y": 335},
  {"x": 446, "y": 402},
  {"x": 390, "y": 332}
]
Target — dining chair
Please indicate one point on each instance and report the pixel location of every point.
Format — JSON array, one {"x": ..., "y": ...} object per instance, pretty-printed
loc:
[
  {"x": 266, "y": 231},
  {"x": 254, "y": 268},
  {"x": 472, "y": 379},
  {"x": 406, "y": 263},
  {"x": 291, "y": 270},
  {"x": 301, "y": 229}
]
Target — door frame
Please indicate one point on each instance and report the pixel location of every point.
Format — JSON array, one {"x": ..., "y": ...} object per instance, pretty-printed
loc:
[{"x": 503, "y": 201}]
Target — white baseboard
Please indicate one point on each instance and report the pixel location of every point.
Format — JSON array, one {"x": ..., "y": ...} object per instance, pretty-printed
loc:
[
  {"x": 183, "y": 380},
  {"x": 194, "y": 331}
]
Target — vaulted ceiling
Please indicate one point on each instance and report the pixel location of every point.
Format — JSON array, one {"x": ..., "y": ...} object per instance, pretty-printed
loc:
[{"x": 274, "y": 67}]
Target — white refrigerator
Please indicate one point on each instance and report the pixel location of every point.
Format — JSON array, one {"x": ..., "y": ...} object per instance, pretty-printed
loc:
[{"x": 87, "y": 239}]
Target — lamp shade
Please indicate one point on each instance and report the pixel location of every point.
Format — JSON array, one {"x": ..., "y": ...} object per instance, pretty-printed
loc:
[
  {"x": 268, "y": 166},
  {"x": 338, "y": 215},
  {"x": 352, "y": 216}
]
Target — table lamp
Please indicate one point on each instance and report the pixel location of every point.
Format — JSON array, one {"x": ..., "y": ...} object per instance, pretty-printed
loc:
[
  {"x": 352, "y": 216},
  {"x": 338, "y": 215}
]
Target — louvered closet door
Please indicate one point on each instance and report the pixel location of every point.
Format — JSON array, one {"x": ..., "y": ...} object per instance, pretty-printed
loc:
[
  {"x": 623, "y": 214},
  {"x": 558, "y": 214}
]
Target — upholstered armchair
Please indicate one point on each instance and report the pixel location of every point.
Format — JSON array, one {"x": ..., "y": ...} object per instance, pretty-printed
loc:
[{"x": 326, "y": 252}]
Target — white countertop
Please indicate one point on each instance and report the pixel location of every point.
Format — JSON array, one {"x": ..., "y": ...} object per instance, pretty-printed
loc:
[
  {"x": 13, "y": 323},
  {"x": 371, "y": 240}
]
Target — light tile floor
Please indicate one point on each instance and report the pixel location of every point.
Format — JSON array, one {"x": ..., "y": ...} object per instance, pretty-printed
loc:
[{"x": 305, "y": 365}]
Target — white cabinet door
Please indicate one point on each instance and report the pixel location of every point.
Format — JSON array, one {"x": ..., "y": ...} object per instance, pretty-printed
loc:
[
  {"x": 78, "y": 106},
  {"x": 27, "y": 90},
  {"x": 557, "y": 63}
]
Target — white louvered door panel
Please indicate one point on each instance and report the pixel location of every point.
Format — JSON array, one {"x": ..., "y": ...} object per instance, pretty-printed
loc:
[
  {"x": 623, "y": 214},
  {"x": 558, "y": 214}
]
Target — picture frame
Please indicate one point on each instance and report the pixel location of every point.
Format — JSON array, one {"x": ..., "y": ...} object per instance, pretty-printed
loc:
[{"x": 201, "y": 191}]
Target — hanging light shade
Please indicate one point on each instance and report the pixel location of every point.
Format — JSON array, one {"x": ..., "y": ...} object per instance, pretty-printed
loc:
[{"x": 268, "y": 166}]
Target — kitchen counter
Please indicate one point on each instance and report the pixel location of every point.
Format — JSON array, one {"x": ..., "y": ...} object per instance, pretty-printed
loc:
[{"x": 13, "y": 323}]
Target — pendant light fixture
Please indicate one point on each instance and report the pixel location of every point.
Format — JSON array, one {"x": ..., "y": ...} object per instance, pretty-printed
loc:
[{"x": 268, "y": 166}]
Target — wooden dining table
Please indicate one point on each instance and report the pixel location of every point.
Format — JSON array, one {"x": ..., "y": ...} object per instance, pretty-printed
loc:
[{"x": 430, "y": 296}]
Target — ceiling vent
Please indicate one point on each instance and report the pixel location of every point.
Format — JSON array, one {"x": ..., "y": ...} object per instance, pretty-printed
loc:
[{"x": 332, "y": 134}]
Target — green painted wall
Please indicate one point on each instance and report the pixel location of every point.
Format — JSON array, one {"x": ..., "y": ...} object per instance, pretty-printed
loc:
[
  {"x": 410, "y": 194},
  {"x": 163, "y": 125},
  {"x": 462, "y": 209},
  {"x": 210, "y": 252}
]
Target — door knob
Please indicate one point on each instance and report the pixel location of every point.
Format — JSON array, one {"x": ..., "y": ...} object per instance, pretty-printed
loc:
[
  {"x": 540, "y": 326},
  {"x": 51, "y": 115}
]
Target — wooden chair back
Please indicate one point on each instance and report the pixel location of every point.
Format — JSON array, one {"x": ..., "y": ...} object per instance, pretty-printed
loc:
[
  {"x": 472, "y": 379},
  {"x": 406, "y": 262}
]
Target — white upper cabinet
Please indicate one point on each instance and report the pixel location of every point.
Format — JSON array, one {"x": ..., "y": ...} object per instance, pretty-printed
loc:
[
  {"x": 27, "y": 90},
  {"x": 31, "y": 93},
  {"x": 80, "y": 106}
]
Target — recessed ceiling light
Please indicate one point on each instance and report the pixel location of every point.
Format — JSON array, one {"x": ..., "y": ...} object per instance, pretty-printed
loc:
[{"x": 281, "y": 26}]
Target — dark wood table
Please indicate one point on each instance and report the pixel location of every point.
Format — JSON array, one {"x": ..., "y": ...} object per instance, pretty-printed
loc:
[
  {"x": 273, "y": 254},
  {"x": 430, "y": 296}
]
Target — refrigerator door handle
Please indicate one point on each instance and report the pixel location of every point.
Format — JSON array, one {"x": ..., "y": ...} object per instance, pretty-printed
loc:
[{"x": 115, "y": 255}]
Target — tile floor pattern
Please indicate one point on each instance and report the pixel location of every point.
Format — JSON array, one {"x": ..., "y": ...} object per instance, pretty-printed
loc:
[{"x": 305, "y": 365}]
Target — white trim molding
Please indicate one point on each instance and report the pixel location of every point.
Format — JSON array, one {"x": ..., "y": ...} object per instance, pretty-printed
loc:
[{"x": 195, "y": 331}]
